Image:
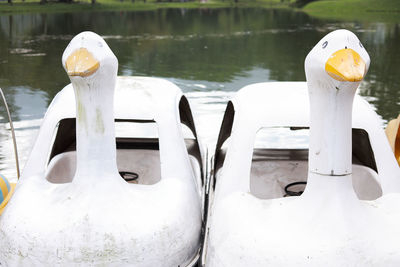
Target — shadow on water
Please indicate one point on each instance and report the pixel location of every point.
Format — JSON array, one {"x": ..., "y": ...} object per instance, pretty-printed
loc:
[{"x": 200, "y": 50}]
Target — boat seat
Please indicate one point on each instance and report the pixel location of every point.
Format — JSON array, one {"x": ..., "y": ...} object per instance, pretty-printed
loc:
[
  {"x": 273, "y": 169},
  {"x": 140, "y": 151},
  {"x": 144, "y": 162}
]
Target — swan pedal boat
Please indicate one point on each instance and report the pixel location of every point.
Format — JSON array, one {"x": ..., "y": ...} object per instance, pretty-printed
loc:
[
  {"x": 349, "y": 212},
  {"x": 138, "y": 149},
  {"x": 88, "y": 196}
]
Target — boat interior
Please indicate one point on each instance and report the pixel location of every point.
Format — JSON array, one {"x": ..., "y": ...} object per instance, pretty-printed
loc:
[
  {"x": 282, "y": 171},
  {"x": 137, "y": 143}
]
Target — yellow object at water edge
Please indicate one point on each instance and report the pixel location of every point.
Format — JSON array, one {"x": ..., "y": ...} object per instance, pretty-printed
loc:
[
  {"x": 393, "y": 134},
  {"x": 7, "y": 197}
]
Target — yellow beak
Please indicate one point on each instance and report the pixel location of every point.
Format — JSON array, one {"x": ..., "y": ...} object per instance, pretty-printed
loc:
[
  {"x": 81, "y": 63},
  {"x": 346, "y": 65}
]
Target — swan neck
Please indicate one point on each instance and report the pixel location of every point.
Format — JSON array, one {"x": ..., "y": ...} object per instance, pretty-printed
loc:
[
  {"x": 330, "y": 150},
  {"x": 95, "y": 133}
]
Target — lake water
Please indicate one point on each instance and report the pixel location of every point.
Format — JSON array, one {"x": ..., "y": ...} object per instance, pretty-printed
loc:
[{"x": 210, "y": 54}]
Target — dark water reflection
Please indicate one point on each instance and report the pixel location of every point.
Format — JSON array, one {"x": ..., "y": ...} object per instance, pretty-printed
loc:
[
  {"x": 200, "y": 50},
  {"x": 205, "y": 45}
]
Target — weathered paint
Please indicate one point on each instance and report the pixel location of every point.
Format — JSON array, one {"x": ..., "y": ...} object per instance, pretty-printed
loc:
[{"x": 99, "y": 121}]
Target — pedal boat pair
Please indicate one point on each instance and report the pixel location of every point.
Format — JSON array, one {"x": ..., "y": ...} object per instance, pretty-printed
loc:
[
  {"x": 89, "y": 197},
  {"x": 72, "y": 207},
  {"x": 349, "y": 213}
]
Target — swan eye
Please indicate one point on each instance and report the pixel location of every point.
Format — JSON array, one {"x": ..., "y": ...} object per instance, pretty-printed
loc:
[
  {"x": 325, "y": 44},
  {"x": 100, "y": 44},
  {"x": 361, "y": 45}
]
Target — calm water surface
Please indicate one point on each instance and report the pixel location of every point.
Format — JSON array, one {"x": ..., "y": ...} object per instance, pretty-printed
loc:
[{"x": 210, "y": 54}]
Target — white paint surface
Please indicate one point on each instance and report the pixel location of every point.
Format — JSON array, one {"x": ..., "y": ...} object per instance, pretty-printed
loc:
[{"x": 328, "y": 225}]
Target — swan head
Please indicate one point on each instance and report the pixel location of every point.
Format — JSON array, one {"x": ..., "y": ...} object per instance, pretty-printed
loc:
[
  {"x": 88, "y": 56},
  {"x": 92, "y": 68},
  {"x": 334, "y": 69},
  {"x": 339, "y": 59}
]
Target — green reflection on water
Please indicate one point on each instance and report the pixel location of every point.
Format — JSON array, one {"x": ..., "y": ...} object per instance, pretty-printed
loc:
[{"x": 229, "y": 47}]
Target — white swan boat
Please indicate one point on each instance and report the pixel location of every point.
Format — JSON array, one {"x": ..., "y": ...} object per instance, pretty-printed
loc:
[
  {"x": 72, "y": 206},
  {"x": 349, "y": 161}
]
